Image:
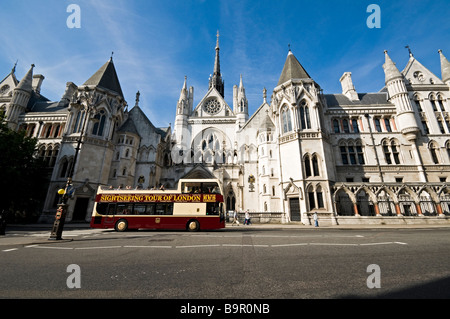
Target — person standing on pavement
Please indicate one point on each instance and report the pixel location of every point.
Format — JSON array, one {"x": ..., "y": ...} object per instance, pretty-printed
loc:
[{"x": 316, "y": 220}]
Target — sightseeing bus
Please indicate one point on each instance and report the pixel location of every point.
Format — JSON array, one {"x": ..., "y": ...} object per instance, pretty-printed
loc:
[{"x": 196, "y": 204}]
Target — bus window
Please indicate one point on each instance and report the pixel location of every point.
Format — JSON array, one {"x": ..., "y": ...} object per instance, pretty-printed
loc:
[
  {"x": 212, "y": 209},
  {"x": 169, "y": 209},
  {"x": 151, "y": 209},
  {"x": 111, "y": 209},
  {"x": 102, "y": 208},
  {"x": 140, "y": 209},
  {"x": 124, "y": 209},
  {"x": 160, "y": 209}
]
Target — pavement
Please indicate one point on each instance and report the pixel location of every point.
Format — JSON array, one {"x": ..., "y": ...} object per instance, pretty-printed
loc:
[{"x": 22, "y": 234}]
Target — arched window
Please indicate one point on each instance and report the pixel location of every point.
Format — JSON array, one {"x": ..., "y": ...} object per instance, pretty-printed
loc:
[
  {"x": 231, "y": 201},
  {"x": 79, "y": 122},
  {"x": 434, "y": 152},
  {"x": 391, "y": 152},
  {"x": 307, "y": 166},
  {"x": 315, "y": 198},
  {"x": 441, "y": 103},
  {"x": 345, "y": 125},
  {"x": 305, "y": 121},
  {"x": 336, "y": 126},
  {"x": 99, "y": 124},
  {"x": 352, "y": 153},
  {"x": 447, "y": 146},
  {"x": 286, "y": 120},
  {"x": 418, "y": 103},
  {"x": 315, "y": 165}
]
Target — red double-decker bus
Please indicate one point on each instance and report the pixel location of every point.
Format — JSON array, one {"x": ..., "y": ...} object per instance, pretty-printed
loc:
[{"x": 196, "y": 204}]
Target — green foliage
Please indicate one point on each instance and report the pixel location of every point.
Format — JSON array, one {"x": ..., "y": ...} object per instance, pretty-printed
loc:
[{"x": 23, "y": 181}]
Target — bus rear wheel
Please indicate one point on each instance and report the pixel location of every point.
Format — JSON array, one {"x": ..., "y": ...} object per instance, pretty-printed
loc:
[
  {"x": 121, "y": 225},
  {"x": 193, "y": 225}
]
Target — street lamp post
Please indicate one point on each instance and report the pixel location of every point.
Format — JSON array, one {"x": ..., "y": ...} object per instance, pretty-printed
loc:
[{"x": 61, "y": 212}]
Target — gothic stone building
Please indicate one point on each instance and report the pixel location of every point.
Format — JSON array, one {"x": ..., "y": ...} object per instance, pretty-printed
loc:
[{"x": 351, "y": 157}]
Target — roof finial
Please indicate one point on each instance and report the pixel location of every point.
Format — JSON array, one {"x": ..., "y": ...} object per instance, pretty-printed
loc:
[
  {"x": 409, "y": 50},
  {"x": 14, "y": 67},
  {"x": 289, "y": 47},
  {"x": 137, "y": 98},
  {"x": 217, "y": 42},
  {"x": 112, "y": 53},
  {"x": 265, "y": 95}
]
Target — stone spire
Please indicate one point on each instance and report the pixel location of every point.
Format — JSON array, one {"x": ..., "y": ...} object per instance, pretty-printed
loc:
[
  {"x": 26, "y": 83},
  {"x": 216, "y": 79},
  {"x": 445, "y": 68},
  {"x": 390, "y": 70}
]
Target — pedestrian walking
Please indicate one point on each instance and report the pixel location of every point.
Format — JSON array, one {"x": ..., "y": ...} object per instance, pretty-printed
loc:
[
  {"x": 316, "y": 220},
  {"x": 247, "y": 218},
  {"x": 235, "y": 219}
]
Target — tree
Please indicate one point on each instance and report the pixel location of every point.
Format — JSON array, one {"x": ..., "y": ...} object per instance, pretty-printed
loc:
[{"x": 23, "y": 181}]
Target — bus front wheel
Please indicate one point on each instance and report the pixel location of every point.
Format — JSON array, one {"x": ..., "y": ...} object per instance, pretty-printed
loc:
[
  {"x": 121, "y": 225},
  {"x": 193, "y": 225}
]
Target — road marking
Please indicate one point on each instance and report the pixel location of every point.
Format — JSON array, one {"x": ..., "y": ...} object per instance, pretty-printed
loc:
[
  {"x": 213, "y": 245},
  {"x": 288, "y": 245},
  {"x": 50, "y": 247},
  {"x": 148, "y": 246},
  {"x": 197, "y": 246},
  {"x": 332, "y": 244},
  {"x": 12, "y": 249},
  {"x": 385, "y": 243},
  {"x": 103, "y": 247}
]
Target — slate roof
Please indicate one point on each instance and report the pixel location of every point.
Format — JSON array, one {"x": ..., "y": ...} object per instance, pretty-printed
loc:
[
  {"x": 292, "y": 70},
  {"x": 365, "y": 99},
  {"x": 106, "y": 77}
]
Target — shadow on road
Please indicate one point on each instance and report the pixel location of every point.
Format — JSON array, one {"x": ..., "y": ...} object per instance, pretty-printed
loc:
[{"x": 437, "y": 289}]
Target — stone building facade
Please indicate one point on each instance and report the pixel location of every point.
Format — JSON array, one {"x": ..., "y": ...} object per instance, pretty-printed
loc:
[{"x": 351, "y": 157}]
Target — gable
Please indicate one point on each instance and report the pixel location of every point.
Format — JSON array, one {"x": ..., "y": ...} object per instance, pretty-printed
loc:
[
  {"x": 212, "y": 105},
  {"x": 415, "y": 73}
]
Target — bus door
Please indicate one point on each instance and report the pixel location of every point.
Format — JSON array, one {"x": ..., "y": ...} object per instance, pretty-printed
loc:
[{"x": 109, "y": 216}]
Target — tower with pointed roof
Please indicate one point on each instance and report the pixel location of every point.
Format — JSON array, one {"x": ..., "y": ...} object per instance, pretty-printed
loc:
[
  {"x": 216, "y": 80},
  {"x": 240, "y": 104},
  {"x": 398, "y": 95},
  {"x": 297, "y": 110},
  {"x": 20, "y": 99}
]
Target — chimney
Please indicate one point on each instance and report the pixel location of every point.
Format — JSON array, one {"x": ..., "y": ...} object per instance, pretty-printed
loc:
[
  {"x": 68, "y": 93},
  {"x": 37, "y": 82},
  {"x": 347, "y": 86}
]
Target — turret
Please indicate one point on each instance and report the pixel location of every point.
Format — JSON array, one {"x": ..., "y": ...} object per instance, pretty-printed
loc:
[
  {"x": 20, "y": 98},
  {"x": 445, "y": 68},
  {"x": 398, "y": 95},
  {"x": 184, "y": 110},
  {"x": 240, "y": 104}
]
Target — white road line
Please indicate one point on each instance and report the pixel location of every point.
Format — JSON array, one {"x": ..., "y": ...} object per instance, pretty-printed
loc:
[
  {"x": 197, "y": 246},
  {"x": 12, "y": 249},
  {"x": 385, "y": 243},
  {"x": 288, "y": 245},
  {"x": 332, "y": 244},
  {"x": 103, "y": 247},
  {"x": 148, "y": 246},
  {"x": 50, "y": 247}
]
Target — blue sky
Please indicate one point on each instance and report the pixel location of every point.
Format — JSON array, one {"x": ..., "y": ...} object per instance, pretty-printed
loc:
[{"x": 157, "y": 43}]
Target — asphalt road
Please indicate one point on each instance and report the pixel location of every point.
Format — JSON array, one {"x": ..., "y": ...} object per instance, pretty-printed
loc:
[{"x": 233, "y": 263}]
